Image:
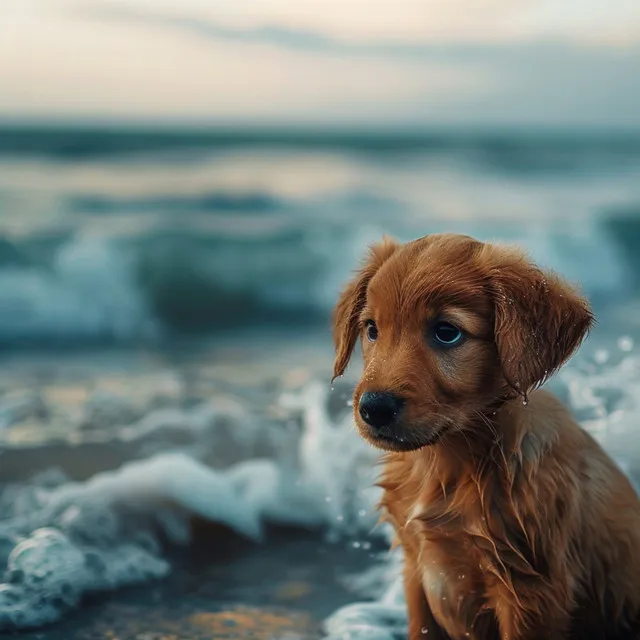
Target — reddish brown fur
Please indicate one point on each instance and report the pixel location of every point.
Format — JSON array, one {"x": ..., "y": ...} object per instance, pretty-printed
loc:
[{"x": 515, "y": 523}]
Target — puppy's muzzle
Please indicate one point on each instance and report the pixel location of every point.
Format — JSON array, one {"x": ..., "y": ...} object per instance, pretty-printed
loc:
[{"x": 380, "y": 410}]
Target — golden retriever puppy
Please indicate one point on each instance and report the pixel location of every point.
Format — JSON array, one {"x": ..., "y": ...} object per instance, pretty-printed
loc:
[{"x": 515, "y": 524}]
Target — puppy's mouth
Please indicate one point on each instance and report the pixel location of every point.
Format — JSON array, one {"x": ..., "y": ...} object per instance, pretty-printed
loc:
[{"x": 401, "y": 438}]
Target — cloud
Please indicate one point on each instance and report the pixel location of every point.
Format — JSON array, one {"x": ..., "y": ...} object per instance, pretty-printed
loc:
[
  {"x": 164, "y": 61},
  {"x": 126, "y": 70},
  {"x": 432, "y": 21},
  {"x": 306, "y": 39}
]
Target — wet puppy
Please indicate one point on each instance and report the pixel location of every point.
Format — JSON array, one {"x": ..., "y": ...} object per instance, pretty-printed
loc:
[{"x": 514, "y": 522}]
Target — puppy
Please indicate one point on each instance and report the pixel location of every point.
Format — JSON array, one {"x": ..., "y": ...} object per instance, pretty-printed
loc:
[{"x": 514, "y": 522}]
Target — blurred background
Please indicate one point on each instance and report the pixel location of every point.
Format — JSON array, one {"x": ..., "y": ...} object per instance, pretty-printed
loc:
[{"x": 185, "y": 185}]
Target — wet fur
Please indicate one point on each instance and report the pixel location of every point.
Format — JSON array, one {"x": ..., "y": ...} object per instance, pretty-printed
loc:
[{"x": 514, "y": 522}]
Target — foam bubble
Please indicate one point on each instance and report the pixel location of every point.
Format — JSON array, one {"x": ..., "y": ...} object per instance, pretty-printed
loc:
[{"x": 47, "y": 574}]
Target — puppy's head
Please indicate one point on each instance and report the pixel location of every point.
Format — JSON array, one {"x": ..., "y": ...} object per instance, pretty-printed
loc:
[{"x": 450, "y": 327}]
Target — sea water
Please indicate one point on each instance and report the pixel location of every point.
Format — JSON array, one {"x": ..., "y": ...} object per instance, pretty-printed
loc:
[{"x": 112, "y": 439}]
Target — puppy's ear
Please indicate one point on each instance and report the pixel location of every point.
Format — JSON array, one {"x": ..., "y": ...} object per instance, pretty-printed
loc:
[
  {"x": 346, "y": 315},
  {"x": 540, "y": 321}
]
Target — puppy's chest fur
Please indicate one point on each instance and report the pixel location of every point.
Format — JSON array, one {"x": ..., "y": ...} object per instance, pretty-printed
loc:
[{"x": 455, "y": 541}]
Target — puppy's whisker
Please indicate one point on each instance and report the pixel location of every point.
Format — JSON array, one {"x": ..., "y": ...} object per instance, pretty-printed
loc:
[{"x": 488, "y": 423}]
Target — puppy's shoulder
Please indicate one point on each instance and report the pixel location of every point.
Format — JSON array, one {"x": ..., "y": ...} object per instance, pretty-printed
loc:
[
  {"x": 552, "y": 442},
  {"x": 546, "y": 427}
]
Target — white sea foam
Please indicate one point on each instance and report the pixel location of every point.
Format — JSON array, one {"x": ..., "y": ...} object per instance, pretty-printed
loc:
[
  {"x": 60, "y": 540},
  {"x": 82, "y": 537},
  {"x": 52, "y": 302}
]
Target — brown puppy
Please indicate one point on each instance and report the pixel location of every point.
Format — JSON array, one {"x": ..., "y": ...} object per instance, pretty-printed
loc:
[{"x": 515, "y": 523}]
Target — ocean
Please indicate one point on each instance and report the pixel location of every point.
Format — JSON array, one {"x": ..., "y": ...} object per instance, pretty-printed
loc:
[{"x": 164, "y": 333}]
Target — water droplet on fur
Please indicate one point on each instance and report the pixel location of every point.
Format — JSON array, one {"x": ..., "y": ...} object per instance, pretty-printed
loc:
[
  {"x": 424, "y": 631},
  {"x": 461, "y": 576},
  {"x": 525, "y": 401}
]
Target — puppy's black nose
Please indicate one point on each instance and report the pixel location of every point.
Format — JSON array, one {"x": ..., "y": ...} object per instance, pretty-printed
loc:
[{"x": 379, "y": 409}]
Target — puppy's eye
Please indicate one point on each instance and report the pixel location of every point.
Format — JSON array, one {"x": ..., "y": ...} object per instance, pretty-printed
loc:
[
  {"x": 371, "y": 330},
  {"x": 446, "y": 334}
]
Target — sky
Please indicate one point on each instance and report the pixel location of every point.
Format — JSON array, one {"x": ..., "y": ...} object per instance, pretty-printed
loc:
[{"x": 392, "y": 63}]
